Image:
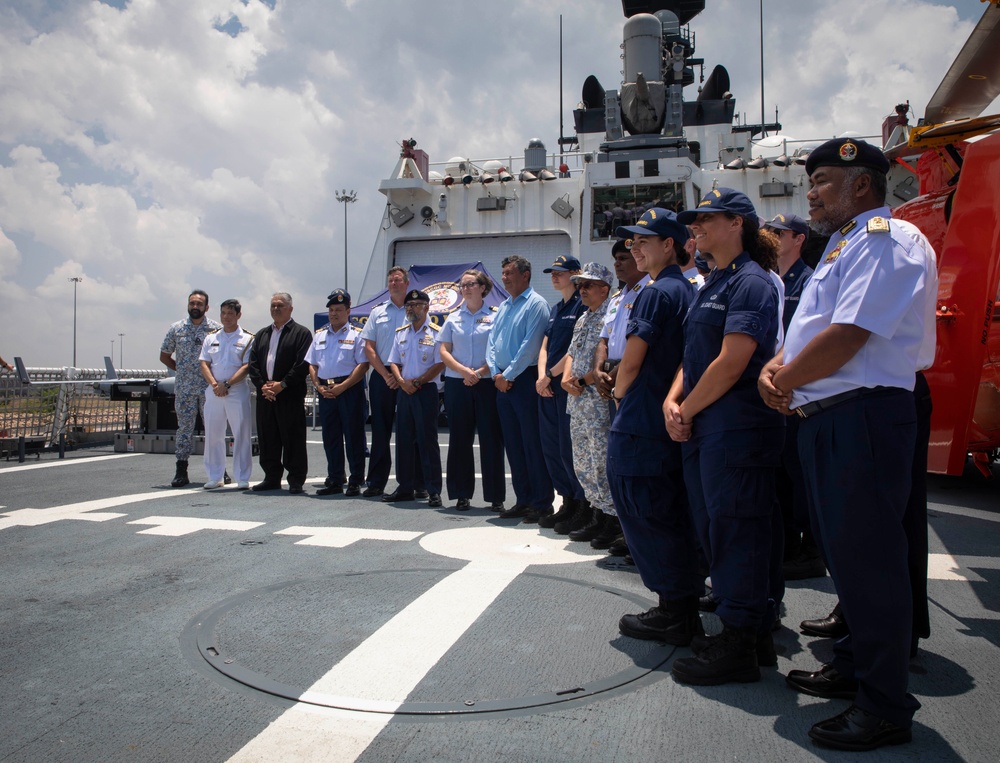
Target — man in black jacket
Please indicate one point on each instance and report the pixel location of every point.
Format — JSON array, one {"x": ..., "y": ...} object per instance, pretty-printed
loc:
[{"x": 278, "y": 370}]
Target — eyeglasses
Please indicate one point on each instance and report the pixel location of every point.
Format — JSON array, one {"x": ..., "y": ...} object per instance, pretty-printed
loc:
[
  {"x": 412, "y": 305},
  {"x": 590, "y": 284},
  {"x": 469, "y": 285}
]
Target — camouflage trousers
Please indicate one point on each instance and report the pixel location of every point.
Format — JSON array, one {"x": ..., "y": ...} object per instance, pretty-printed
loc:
[
  {"x": 589, "y": 422},
  {"x": 187, "y": 408}
]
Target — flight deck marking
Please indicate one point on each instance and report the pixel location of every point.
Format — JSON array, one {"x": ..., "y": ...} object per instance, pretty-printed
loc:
[
  {"x": 948, "y": 567},
  {"x": 81, "y": 511},
  {"x": 407, "y": 647},
  {"x": 67, "y": 462},
  {"x": 339, "y": 537},
  {"x": 177, "y": 526}
]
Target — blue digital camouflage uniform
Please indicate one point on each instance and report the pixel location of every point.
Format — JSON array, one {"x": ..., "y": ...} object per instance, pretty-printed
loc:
[
  {"x": 184, "y": 341},
  {"x": 590, "y": 414}
]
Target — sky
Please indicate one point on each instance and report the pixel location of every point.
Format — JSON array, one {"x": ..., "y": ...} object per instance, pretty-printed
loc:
[{"x": 151, "y": 147}]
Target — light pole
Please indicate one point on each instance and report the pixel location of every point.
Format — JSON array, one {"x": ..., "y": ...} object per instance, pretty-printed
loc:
[
  {"x": 75, "y": 280},
  {"x": 112, "y": 350},
  {"x": 121, "y": 351},
  {"x": 346, "y": 198}
]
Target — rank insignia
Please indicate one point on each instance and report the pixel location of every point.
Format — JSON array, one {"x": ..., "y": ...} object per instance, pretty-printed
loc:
[{"x": 878, "y": 225}]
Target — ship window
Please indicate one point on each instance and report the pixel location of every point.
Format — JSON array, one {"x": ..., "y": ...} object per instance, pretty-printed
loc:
[{"x": 624, "y": 205}]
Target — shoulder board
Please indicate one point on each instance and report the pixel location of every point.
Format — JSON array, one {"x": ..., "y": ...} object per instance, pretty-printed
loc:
[
  {"x": 849, "y": 227},
  {"x": 649, "y": 282},
  {"x": 325, "y": 328},
  {"x": 878, "y": 225},
  {"x": 404, "y": 327},
  {"x": 380, "y": 304},
  {"x": 616, "y": 294},
  {"x": 434, "y": 327},
  {"x": 494, "y": 308},
  {"x": 215, "y": 331},
  {"x": 694, "y": 281}
]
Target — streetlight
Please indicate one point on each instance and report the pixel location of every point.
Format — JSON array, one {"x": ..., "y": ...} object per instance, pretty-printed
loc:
[
  {"x": 121, "y": 351},
  {"x": 112, "y": 350},
  {"x": 75, "y": 280},
  {"x": 346, "y": 198}
]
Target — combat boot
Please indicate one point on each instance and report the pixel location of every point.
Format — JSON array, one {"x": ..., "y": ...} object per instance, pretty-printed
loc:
[
  {"x": 564, "y": 514},
  {"x": 767, "y": 656},
  {"x": 590, "y": 530},
  {"x": 610, "y": 532},
  {"x": 672, "y": 622},
  {"x": 729, "y": 657},
  {"x": 583, "y": 516},
  {"x": 181, "y": 477}
]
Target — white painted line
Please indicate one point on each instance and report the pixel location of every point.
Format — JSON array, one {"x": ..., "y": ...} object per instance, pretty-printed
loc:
[
  {"x": 177, "y": 526},
  {"x": 989, "y": 516},
  {"x": 66, "y": 462},
  {"x": 384, "y": 669},
  {"x": 948, "y": 567},
  {"x": 82, "y": 511},
  {"x": 339, "y": 537}
]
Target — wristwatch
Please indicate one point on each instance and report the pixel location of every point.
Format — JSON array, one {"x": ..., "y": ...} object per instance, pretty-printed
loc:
[
  {"x": 226, "y": 384},
  {"x": 549, "y": 374},
  {"x": 614, "y": 396},
  {"x": 479, "y": 374},
  {"x": 582, "y": 382}
]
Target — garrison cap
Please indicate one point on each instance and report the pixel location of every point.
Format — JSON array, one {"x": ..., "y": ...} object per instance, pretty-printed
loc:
[
  {"x": 656, "y": 222},
  {"x": 563, "y": 264},
  {"x": 338, "y": 297},
  {"x": 847, "y": 152},
  {"x": 721, "y": 200}
]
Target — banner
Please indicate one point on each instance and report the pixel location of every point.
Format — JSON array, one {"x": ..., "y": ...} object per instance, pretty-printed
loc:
[{"x": 441, "y": 284}]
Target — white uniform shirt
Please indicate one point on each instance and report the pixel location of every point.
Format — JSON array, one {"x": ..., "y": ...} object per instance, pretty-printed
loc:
[
  {"x": 928, "y": 348},
  {"x": 872, "y": 275},
  {"x": 226, "y": 352},
  {"x": 336, "y": 353},
  {"x": 780, "y": 286},
  {"x": 415, "y": 351},
  {"x": 614, "y": 329}
]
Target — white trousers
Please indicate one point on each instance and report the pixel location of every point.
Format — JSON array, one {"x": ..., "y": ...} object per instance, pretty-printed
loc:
[{"x": 236, "y": 409}]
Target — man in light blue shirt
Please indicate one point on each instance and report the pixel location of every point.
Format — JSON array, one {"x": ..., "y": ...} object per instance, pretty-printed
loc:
[{"x": 512, "y": 357}]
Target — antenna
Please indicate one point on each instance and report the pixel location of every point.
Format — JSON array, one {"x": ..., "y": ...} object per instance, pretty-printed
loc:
[
  {"x": 763, "y": 128},
  {"x": 560, "y": 90}
]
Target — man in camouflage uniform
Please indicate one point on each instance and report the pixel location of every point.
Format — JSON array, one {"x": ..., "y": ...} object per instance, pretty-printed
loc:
[
  {"x": 589, "y": 413},
  {"x": 180, "y": 352}
]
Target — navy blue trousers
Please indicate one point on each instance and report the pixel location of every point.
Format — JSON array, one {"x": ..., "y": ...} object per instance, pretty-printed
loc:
[
  {"x": 471, "y": 410},
  {"x": 383, "y": 410},
  {"x": 730, "y": 483},
  {"x": 518, "y": 410},
  {"x": 343, "y": 422},
  {"x": 648, "y": 490},
  {"x": 857, "y": 461},
  {"x": 557, "y": 445},
  {"x": 416, "y": 425}
]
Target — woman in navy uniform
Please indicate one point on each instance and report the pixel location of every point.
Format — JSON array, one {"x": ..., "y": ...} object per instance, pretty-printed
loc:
[
  {"x": 732, "y": 441},
  {"x": 471, "y": 402}
]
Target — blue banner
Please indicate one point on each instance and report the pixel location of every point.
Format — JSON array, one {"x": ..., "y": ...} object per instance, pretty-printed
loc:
[{"x": 441, "y": 284}]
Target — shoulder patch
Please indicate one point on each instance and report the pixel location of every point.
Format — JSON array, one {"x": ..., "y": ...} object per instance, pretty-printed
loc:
[{"x": 878, "y": 225}]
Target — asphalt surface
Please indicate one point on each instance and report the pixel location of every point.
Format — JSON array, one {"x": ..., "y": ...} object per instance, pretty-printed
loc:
[{"x": 143, "y": 623}]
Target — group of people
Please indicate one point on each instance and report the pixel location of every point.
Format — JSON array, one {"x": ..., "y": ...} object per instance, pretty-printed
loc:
[{"x": 697, "y": 423}]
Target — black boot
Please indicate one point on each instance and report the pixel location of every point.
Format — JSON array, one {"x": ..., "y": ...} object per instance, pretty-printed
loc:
[
  {"x": 582, "y": 516},
  {"x": 564, "y": 514},
  {"x": 611, "y": 532},
  {"x": 730, "y": 657},
  {"x": 181, "y": 477},
  {"x": 767, "y": 657},
  {"x": 672, "y": 622},
  {"x": 590, "y": 530}
]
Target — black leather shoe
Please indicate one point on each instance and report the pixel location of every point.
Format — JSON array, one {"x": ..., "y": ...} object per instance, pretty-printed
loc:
[
  {"x": 825, "y": 682},
  {"x": 226, "y": 479},
  {"x": 618, "y": 548},
  {"x": 330, "y": 490},
  {"x": 857, "y": 730},
  {"x": 296, "y": 490},
  {"x": 372, "y": 492},
  {"x": 804, "y": 566},
  {"x": 515, "y": 512},
  {"x": 662, "y": 624},
  {"x": 265, "y": 485},
  {"x": 535, "y": 516},
  {"x": 398, "y": 495},
  {"x": 731, "y": 657},
  {"x": 420, "y": 494},
  {"x": 628, "y": 560},
  {"x": 434, "y": 500},
  {"x": 564, "y": 514},
  {"x": 496, "y": 506},
  {"x": 707, "y": 603},
  {"x": 610, "y": 532},
  {"x": 462, "y": 504},
  {"x": 353, "y": 490},
  {"x": 832, "y": 626}
]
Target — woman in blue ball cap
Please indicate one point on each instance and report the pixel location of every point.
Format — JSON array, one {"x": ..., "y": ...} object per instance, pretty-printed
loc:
[{"x": 732, "y": 441}]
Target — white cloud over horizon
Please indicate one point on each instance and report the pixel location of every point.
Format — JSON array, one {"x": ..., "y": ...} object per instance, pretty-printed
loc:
[{"x": 155, "y": 146}]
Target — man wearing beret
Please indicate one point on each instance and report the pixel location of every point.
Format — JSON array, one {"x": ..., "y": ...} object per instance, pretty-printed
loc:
[
  {"x": 848, "y": 370},
  {"x": 415, "y": 363},
  {"x": 337, "y": 364}
]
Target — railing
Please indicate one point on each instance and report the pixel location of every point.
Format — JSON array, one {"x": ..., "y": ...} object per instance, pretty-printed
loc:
[{"x": 42, "y": 412}]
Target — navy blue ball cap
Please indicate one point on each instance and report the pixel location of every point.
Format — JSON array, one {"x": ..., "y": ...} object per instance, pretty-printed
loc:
[
  {"x": 794, "y": 223},
  {"x": 847, "y": 152},
  {"x": 563, "y": 264},
  {"x": 416, "y": 295},
  {"x": 656, "y": 222},
  {"x": 338, "y": 297},
  {"x": 721, "y": 200}
]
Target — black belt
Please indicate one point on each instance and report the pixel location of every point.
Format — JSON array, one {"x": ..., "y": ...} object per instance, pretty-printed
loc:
[
  {"x": 334, "y": 380},
  {"x": 609, "y": 365},
  {"x": 811, "y": 409}
]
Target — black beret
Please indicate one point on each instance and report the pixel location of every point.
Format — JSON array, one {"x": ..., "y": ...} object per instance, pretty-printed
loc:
[
  {"x": 415, "y": 295},
  {"x": 847, "y": 152}
]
